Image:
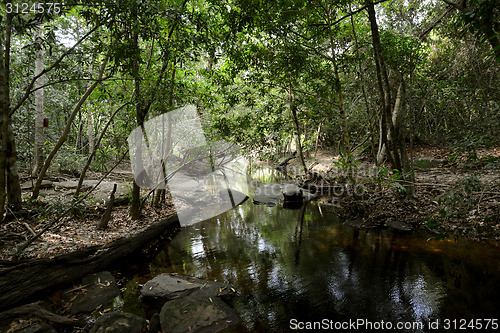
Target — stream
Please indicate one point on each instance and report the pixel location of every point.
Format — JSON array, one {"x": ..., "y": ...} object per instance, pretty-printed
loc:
[{"x": 294, "y": 267}]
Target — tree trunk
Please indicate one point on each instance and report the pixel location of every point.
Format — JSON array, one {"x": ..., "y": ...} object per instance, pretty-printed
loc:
[
  {"x": 345, "y": 145},
  {"x": 295, "y": 120},
  {"x": 89, "y": 160},
  {"x": 64, "y": 135},
  {"x": 10, "y": 188},
  {"x": 160, "y": 194},
  {"x": 103, "y": 224},
  {"x": 388, "y": 132},
  {"x": 39, "y": 95},
  {"x": 90, "y": 128},
  {"x": 135, "y": 204}
]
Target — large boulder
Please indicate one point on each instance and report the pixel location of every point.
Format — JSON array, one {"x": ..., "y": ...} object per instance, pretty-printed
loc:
[
  {"x": 196, "y": 315},
  {"x": 101, "y": 290},
  {"x": 170, "y": 286},
  {"x": 119, "y": 322}
]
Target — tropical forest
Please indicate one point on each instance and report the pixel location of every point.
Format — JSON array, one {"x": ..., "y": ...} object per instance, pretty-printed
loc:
[{"x": 249, "y": 166}]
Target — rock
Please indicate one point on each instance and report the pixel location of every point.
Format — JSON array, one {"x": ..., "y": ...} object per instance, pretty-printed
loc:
[
  {"x": 292, "y": 193},
  {"x": 170, "y": 287},
  {"x": 268, "y": 194},
  {"x": 101, "y": 290},
  {"x": 399, "y": 225},
  {"x": 28, "y": 185},
  {"x": 70, "y": 184},
  {"x": 38, "y": 328},
  {"x": 429, "y": 162},
  {"x": 119, "y": 322},
  {"x": 196, "y": 315},
  {"x": 154, "y": 324}
]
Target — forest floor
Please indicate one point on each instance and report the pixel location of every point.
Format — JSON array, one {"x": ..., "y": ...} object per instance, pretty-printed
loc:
[
  {"x": 455, "y": 195},
  {"x": 77, "y": 228}
]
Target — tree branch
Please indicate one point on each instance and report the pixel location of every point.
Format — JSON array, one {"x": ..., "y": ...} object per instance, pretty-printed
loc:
[
  {"x": 429, "y": 29},
  {"x": 46, "y": 70}
]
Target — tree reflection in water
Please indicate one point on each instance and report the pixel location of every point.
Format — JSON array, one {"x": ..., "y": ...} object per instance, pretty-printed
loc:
[{"x": 306, "y": 264}]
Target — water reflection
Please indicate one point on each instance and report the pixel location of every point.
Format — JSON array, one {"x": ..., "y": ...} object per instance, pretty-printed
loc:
[{"x": 306, "y": 264}]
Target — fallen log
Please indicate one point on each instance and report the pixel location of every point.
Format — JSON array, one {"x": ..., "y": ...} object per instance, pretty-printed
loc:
[
  {"x": 22, "y": 280},
  {"x": 35, "y": 310}
]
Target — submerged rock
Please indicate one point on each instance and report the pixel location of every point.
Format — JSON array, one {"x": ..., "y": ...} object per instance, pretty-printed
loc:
[
  {"x": 101, "y": 289},
  {"x": 119, "y": 322},
  {"x": 171, "y": 286},
  {"x": 196, "y": 315}
]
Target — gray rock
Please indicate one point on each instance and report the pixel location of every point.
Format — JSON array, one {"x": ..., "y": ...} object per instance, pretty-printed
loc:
[
  {"x": 196, "y": 315},
  {"x": 28, "y": 185},
  {"x": 171, "y": 286},
  {"x": 399, "y": 225},
  {"x": 154, "y": 324},
  {"x": 38, "y": 328},
  {"x": 119, "y": 322},
  {"x": 292, "y": 193},
  {"x": 101, "y": 290},
  {"x": 268, "y": 194},
  {"x": 70, "y": 184}
]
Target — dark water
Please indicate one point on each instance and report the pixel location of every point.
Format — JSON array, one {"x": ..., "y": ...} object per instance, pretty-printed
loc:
[{"x": 306, "y": 265}]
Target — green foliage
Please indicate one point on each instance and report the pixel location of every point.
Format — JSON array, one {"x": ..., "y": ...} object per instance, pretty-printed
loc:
[
  {"x": 403, "y": 53},
  {"x": 59, "y": 206},
  {"x": 348, "y": 167},
  {"x": 68, "y": 161}
]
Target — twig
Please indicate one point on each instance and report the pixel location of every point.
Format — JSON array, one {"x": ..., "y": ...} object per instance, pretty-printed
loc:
[
  {"x": 29, "y": 228},
  {"x": 76, "y": 288}
]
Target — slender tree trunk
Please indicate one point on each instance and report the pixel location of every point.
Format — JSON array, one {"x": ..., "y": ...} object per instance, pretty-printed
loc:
[
  {"x": 39, "y": 95},
  {"x": 90, "y": 128},
  {"x": 135, "y": 205},
  {"x": 293, "y": 112},
  {"x": 89, "y": 160},
  {"x": 160, "y": 194},
  {"x": 64, "y": 135},
  {"x": 363, "y": 89},
  {"x": 345, "y": 145},
  {"x": 388, "y": 132}
]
